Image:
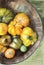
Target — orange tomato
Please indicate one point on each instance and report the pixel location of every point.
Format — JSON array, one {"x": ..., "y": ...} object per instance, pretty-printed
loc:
[
  {"x": 18, "y": 31},
  {"x": 23, "y": 19},
  {"x": 16, "y": 24},
  {"x": 10, "y": 53},
  {"x": 2, "y": 49}
]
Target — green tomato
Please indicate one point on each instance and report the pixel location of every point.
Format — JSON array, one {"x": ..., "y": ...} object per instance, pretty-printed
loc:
[
  {"x": 8, "y": 16},
  {"x": 23, "y": 48},
  {"x": 5, "y": 40},
  {"x": 16, "y": 44},
  {"x": 5, "y": 15},
  {"x": 2, "y": 11}
]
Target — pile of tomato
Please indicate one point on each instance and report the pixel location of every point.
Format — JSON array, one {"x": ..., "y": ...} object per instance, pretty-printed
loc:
[{"x": 15, "y": 33}]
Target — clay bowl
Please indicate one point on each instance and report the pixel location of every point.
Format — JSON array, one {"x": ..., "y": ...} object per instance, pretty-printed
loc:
[{"x": 36, "y": 23}]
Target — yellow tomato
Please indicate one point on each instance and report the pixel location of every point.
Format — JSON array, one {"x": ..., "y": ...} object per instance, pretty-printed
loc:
[
  {"x": 3, "y": 28},
  {"x": 28, "y": 31},
  {"x": 27, "y": 42},
  {"x": 13, "y": 22},
  {"x": 28, "y": 36},
  {"x": 14, "y": 28},
  {"x": 11, "y": 30}
]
